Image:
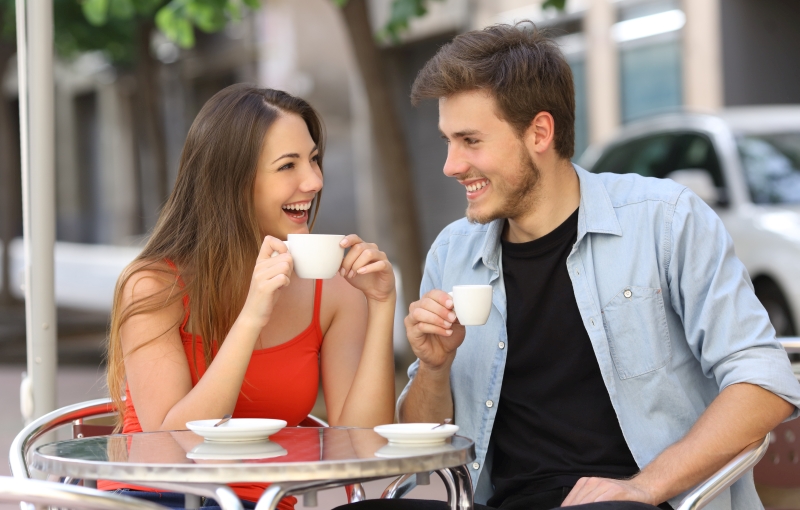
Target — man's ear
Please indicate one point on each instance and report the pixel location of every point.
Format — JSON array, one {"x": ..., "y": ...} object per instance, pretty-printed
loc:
[{"x": 540, "y": 133}]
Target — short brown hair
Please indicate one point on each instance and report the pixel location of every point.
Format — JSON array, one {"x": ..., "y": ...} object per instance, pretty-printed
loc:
[{"x": 520, "y": 65}]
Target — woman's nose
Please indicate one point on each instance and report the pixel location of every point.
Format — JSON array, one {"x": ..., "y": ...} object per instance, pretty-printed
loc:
[{"x": 312, "y": 180}]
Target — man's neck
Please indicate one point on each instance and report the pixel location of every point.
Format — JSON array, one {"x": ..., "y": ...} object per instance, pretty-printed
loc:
[{"x": 558, "y": 195}]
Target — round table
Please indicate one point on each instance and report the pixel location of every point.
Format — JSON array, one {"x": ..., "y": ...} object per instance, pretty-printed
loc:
[{"x": 295, "y": 460}]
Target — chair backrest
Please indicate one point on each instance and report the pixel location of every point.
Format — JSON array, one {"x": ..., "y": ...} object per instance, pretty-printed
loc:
[
  {"x": 74, "y": 414},
  {"x": 15, "y": 490}
]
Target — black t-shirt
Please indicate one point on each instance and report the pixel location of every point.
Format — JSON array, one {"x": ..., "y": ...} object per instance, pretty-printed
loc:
[{"x": 555, "y": 423}]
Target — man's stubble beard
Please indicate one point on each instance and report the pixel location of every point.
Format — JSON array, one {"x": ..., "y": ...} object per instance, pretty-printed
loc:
[{"x": 517, "y": 198}]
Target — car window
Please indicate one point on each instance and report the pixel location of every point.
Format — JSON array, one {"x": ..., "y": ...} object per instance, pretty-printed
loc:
[
  {"x": 696, "y": 151},
  {"x": 772, "y": 167},
  {"x": 659, "y": 155},
  {"x": 645, "y": 156}
]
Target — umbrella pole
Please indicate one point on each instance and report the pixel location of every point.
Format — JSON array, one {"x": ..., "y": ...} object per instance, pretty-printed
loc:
[{"x": 37, "y": 138}]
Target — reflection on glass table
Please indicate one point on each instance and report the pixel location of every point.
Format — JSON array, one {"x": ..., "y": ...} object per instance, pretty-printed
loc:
[{"x": 294, "y": 460}]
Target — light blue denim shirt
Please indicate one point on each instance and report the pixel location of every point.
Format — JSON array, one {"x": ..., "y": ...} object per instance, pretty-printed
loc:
[{"x": 689, "y": 327}]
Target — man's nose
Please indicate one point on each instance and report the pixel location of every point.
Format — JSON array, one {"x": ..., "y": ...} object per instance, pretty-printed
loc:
[{"x": 454, "y": 165}]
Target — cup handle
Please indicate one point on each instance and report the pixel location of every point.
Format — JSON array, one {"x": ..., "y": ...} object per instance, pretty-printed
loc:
[{"x": 275, "y": 253}]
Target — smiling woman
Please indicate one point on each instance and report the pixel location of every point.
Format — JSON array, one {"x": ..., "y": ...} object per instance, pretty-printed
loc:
[{"x": 206, "y": 322}]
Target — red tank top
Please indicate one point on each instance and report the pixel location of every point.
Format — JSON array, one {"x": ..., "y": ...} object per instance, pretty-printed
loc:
[{"x": 281, "y": 382}]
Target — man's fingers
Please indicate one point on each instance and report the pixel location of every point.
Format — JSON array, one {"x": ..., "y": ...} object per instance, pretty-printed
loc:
[
  {"x": 434, "y": 307},
  {"x": 424, "y": 316}
]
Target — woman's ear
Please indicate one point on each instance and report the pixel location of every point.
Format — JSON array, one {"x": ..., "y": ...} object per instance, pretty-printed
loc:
[{"x": 540, "y": 133}]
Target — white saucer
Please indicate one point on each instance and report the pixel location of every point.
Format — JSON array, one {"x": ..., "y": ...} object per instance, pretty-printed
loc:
[
  {"x": 210, "y": 450},
  {"x": 411, "y": 450},
  {"x": 237, "y": 429},
  {"x": 416, "y": 433}
]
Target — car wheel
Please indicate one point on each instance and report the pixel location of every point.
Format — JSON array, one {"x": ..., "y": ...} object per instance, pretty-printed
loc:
[{"x": 777, "y": 308}]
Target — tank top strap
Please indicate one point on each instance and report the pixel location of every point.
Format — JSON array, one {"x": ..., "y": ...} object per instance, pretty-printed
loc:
[
  {"x": 317, "y": 303},
  {"x": 185, "y": 296}
]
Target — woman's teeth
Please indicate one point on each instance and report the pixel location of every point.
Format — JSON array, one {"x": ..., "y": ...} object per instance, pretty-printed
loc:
[
  {"x": 476, "y": 186},
  {"x": 297, "y": 207}
]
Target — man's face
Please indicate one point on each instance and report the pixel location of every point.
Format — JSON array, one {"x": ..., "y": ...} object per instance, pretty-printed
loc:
[{"x": 485, "y": 155}]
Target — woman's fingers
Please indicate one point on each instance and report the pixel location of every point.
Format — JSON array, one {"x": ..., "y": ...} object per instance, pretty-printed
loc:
[
  {"x": 374, "y": 267},
  {"x": 350, "y": 241},
  {"x": 270, "y": 246}
]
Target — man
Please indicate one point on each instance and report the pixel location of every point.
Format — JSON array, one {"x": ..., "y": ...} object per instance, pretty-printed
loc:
[{"x": 626, "y": 357}]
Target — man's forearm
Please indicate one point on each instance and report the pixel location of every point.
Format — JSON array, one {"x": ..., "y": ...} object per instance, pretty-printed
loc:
[
  {"x": 429, "y": 398},
  {"x": 742, "y": 414}
]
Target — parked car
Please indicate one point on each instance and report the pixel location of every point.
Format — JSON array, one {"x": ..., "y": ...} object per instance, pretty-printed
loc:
[{"x": 745, "y": 163}]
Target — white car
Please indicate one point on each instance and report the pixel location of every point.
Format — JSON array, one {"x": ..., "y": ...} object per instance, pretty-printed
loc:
[{"x": 745, "y": 163}]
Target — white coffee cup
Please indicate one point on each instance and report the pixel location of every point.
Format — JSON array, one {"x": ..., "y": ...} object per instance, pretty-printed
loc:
[
  {"x": 473, "y": 303},
  {"x": 315, "y": 256}
]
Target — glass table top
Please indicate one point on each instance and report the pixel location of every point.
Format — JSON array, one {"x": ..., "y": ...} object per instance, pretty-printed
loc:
[{"x": 293, "y": 454}]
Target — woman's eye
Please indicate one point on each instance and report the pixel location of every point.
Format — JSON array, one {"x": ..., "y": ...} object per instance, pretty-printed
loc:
[
  {"x": 315, "y": 158},
  {"x": 287, "y": 166}
]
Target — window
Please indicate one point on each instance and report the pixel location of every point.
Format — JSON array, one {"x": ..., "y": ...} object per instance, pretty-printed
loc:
[
  {"x": 661, "y": 154},
  {"x": 772, "y": 167}
]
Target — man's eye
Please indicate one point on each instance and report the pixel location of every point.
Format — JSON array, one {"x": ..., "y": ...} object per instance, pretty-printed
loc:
[{"x": 470, "y": 141}]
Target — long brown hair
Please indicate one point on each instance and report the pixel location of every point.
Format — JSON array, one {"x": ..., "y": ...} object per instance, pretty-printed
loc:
[{"x": 207, "y": 232}]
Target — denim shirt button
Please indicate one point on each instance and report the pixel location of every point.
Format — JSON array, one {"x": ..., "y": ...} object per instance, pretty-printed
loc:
[
  {"x": 489, "y": 403},
  {"x": 475, "y": 465},
  {"x": 501, "y": 345}
]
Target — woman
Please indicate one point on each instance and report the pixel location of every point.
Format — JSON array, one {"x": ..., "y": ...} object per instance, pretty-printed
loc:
[{"x": 206, "y": 323}]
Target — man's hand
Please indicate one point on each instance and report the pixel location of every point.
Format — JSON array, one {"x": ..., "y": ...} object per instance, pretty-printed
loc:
[
  {"x": 433, "y": 330},
  {"x": 591, "y": 490}
]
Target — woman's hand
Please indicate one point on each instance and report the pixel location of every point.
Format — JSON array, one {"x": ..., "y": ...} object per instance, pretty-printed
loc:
[
  {"x": 270, "y": 275},
  {"x": 367, "y": 269}
]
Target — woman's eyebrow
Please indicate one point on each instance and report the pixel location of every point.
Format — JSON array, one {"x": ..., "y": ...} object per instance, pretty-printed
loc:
[{"x": 289, "y": 155}]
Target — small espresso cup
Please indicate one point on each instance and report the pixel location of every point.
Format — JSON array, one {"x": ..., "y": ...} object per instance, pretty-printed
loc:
[
  {"x": 473, "y": 303},
  {"x": 315, "y": 256}
]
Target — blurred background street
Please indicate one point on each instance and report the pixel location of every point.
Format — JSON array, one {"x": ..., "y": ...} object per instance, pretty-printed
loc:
[{"x": 127, "y": 90}]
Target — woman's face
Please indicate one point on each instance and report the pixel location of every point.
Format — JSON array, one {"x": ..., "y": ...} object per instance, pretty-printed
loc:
[{"x": 288, "y": 178}]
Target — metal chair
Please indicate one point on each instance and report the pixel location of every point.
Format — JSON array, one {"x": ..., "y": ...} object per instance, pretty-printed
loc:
[
  {"x": 38, "y": 492},
  {"x": 695, "y": 500},
  {"x": 76, "y": 415}
]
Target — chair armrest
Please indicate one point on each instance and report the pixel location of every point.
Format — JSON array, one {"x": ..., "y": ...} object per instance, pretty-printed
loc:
[
  {"x": 55, "y": 494},
  {"x": 725, "y": 477}
]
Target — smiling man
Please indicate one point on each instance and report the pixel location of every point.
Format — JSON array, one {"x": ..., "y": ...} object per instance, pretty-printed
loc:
[{"x": 626, "y": 357}]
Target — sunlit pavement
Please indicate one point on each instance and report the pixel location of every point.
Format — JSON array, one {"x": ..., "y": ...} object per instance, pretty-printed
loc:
[{"x": 80, "y": 383}]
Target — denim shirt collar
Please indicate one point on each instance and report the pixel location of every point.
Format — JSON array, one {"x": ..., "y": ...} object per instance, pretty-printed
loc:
[{"x": 596, "y": 215}]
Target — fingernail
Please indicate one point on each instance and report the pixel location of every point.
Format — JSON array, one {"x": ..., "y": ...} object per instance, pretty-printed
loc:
[
  {"x": 341, "y": 272},
  {"x": 449, "y": 332},
  {"x": 343, "y": 242},
  {"x": 447, "y": 324},
  {"x": 362, "y": 270},
  {"x": 451, "y": 316},
  {"x": 352, "y": 274},
  {"x": 449, "y": 303}
]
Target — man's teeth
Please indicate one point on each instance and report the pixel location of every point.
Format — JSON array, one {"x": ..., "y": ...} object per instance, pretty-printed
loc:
[
  {"x": 297, "y": 207},
  {"x": 476, "y": 186}
]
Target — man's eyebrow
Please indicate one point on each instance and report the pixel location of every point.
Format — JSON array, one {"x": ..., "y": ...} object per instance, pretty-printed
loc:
[{"x": 462, "y": 134}]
